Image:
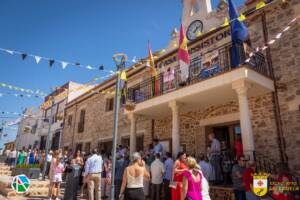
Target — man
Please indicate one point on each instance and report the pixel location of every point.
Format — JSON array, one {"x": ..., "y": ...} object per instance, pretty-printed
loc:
[
  {"x": 248, "y": 181},
  {"x": 157, "y": 171},
  {"x": 215, "y": 157},
  {"x": 93, "y": 169},
  {"x": 12, "y": 156},
  {"x": 168, "y": 175},
  {"x": 206, "y": 167},
  {"x": 49, "y": 159},
  {"x": 237, "y": 179},
  {"x": 158, "y": 148},
  {"x": 121, "y": 164}
]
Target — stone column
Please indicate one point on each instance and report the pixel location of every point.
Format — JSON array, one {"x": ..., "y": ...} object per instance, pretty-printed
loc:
[
  {"x": 132, "y": 139},
  {"x": 241, "y": 87},
  {"x": 175, "y": 128}
]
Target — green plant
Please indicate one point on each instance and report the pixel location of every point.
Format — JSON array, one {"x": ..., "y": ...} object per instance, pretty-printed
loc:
[{"x": 25, "y": 166}]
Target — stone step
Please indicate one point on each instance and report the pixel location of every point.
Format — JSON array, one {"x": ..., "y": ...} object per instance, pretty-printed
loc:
[{"x": 37, "y": 192}]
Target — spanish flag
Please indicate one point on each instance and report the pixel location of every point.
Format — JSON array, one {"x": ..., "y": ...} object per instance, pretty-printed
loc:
[
  {"x": 153, "y": 72},
  {"x": 183, "y": 55}
]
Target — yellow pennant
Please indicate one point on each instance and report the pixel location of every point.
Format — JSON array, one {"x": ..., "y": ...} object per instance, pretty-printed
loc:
[
  {"x": 260, "y": 5},
  {"x": 226, "y": 22},
  {"x": 214, "y": 28},
  {"x": 198, "y": 33},
  {"x": 123, "y": 76},
  {"x": 242, "y": 18}
]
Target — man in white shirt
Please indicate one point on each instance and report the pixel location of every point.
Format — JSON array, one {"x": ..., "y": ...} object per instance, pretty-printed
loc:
[
  {"x": 157, "y": 171},
  {"x": 93, "y": 169}
]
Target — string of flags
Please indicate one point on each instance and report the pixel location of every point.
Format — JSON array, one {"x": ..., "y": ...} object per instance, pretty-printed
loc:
[
  {"x": 276, "y": 38},
  {"x": 51, "y": 62},
  {"x": 21, "y": 95},
  {"x": 19, "y": 89},
  {"x": 10, "y": 113},
  {"x": 84, "y": 86}
]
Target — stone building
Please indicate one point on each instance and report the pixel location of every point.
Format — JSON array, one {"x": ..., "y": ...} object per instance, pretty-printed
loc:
[
  {"x": 259, "y": 100},
  {"x": 55, "y": 113}
]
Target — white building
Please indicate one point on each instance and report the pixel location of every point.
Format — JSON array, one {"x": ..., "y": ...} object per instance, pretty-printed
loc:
[{"x": 27, "y": 135}]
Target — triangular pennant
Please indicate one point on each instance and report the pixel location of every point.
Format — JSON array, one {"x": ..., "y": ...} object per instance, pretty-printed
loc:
[
  {"x": 89, "y": 67},
  {"x": 64, "y": 64},
  {"x": 226, "y": 22},
  {"x": 242, "y": 18},
  {"x": 51, "y": 62},
  {"x": 260, "y": 5},
  {"x": 24, "y": 55},
  {"x": 198, "y": 33},
  {"x": 123, "y": 75},
  {"x": 37, "y": 59},
  {"x": 10, "y": 52}
]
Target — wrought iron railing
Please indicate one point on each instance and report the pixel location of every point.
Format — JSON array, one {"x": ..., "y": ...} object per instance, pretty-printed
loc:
[{"x": 199, "y": 70}]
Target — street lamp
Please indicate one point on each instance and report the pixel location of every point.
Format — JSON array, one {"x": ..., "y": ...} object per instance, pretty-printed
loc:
[
  {"x": 48, "y": 137},
  {"x": 120, "y": 59}
]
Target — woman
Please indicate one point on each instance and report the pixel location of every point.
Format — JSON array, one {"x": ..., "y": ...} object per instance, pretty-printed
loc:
[
  {"x": 78, "y": 159},
  {"x": 57, "y": 177},
  {"x": 179, "y": 168},
  {"x": 107, "y": 180},
  {"x": 191, "y": 181},
  {"x": 133, "y": 177},
  {"x": 52, "y": 173},
  {"x": 21, "y": 158},
  {"x": 31, "y": 157}
]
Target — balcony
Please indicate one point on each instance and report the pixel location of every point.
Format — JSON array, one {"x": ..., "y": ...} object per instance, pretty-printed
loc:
[
  {"x": 208, "y": 80},
  {"x": 170, "y": 81}
]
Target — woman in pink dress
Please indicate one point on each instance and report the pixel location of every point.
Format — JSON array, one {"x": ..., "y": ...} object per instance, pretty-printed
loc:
[{"x": 191, "y": 181}]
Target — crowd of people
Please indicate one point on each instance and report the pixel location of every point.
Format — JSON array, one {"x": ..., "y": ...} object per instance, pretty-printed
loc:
[{"x": 150, "y": 174}]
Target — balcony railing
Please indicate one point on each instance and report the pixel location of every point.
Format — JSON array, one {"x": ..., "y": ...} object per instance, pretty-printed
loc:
[{"x": 170, "y": 79}]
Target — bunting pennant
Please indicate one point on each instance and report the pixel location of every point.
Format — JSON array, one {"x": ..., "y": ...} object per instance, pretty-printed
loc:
[
  {"x": 242, "y": 18},
  {"x": 24, "y": 55},
  {"x": 226, "y": 22},
  {"x": 51, "y": 62},
  {"x": 10, "y": 52},
  {"x": 37, "y": 59},
  {"x": 64, "y": 64},
  {"x": 260, "y": 5}
]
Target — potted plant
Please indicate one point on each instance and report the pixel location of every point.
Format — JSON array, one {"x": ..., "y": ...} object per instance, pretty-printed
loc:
[{"x": 32, "y": 171}]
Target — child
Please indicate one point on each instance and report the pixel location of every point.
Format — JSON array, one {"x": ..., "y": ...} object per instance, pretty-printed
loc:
[{"x": 57, "y": 178}]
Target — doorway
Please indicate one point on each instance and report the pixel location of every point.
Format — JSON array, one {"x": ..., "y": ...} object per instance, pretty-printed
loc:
[{"x": 226, "y": 134}]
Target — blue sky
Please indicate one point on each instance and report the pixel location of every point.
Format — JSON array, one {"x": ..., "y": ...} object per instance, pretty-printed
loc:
[{"x": 85, "y": 31}]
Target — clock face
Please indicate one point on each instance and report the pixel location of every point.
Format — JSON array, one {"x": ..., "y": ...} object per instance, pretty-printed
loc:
[{"x": 194, "y": 29}]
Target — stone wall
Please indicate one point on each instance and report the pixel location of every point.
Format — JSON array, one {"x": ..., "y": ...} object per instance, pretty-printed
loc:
[{"x": 285, "y": 57}]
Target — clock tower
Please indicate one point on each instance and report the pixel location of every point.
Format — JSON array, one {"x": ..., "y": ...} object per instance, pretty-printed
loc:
[{"x": 199, "y": 17}]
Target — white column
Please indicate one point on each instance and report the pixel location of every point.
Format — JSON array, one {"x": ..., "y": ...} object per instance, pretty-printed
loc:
[
  {"x": 132, "y": 139},
  {"x": 241, "y": 87},
  {"x": 175, "y": 128}
]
